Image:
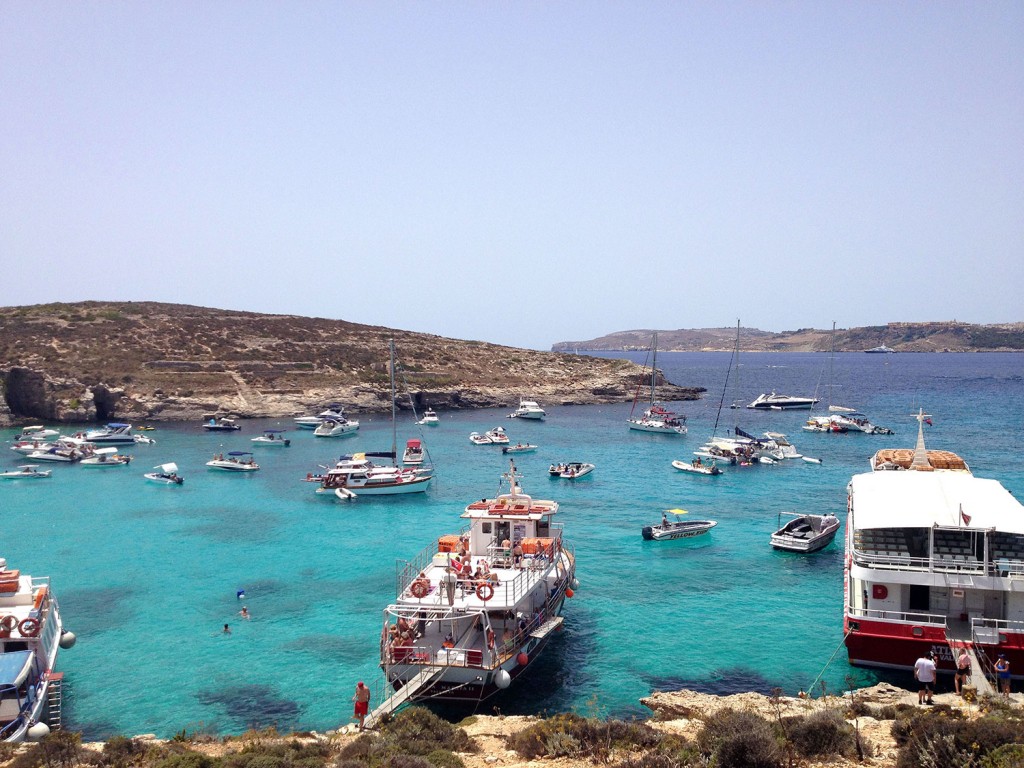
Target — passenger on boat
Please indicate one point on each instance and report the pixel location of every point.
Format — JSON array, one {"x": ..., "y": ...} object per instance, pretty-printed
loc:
[{"x": 517, "y": 555}]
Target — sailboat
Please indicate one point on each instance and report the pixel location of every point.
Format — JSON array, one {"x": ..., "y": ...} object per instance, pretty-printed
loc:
[
  {"x": 840, "y": 418},
  {"x": 741, "y": 448},
  {"x": 656, "y": 418},
  {"x": 358, "y": 475}
]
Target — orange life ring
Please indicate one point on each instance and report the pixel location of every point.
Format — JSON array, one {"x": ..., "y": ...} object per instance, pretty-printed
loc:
[
  {"x": 29, "y": 627},
  {"x": 9, "y": 622},
  {"x": 419, "y": 589},
  {"x": 485, "y": 592}
]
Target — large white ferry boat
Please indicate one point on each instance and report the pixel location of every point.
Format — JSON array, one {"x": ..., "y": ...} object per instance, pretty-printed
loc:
[
  {"x": 934, "y": 561},
  {"x": 476, "y": 608},
  {"x": 31, "y": 634}
]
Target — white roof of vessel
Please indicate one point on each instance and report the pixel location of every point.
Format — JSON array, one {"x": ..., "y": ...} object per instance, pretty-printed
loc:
[{"x": 911, "y": 499}]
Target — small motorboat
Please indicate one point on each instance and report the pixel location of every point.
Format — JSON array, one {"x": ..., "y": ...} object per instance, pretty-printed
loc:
[
  {"x": 677, "y": 528},
  {"x": 697, "y": 467},
  {"x": 811, "y": 460},
  {"x": 477, "y": 439},
  {"x": 497, "y": 435},
  {"x": 413, "y": 452},
  {"x": 166, "y": 474},
  {"x": 805, "y": 533},
  {"x": 429, "y": 419},
  {"x": 106, "y": 457},
  {"x": 36, "y": 432},
  {"x": 570, "y": 470},
  {"x": 776, "y": 402},
  {"x": 519, "y": 448},
  {"x": 223, "y": 424},
  {"x": 25, "y": 472},
  {"x": 336, "y": 427},
  {"x": 272, "y": 438},
  {"x": 528, "y": 409},
  {"x": 234, "y": 461},
  {"x": 333, "y": 411}
]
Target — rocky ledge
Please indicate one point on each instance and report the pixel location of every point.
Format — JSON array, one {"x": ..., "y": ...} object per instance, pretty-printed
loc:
[{"x": 95, "y": 361}]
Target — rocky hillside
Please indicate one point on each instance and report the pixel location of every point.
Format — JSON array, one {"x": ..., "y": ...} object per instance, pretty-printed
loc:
[
  {"x": 106, "y": 360},
  {"x": 903, "y": 337}
]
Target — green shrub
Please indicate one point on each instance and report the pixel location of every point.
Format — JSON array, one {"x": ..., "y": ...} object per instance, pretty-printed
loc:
[
  {"x": 1006, "y": 756},
  {"x": 120, "y": 752},
  {"x": 739, "y": 739},
  {"x": 442, "y": 758},
  {"x": 571, "y": 735},
  {"x": 821, "y": 733},
  {"x": 418, "y": 731},
  {"x": 407, "y": 761},
  {"x": 61, "y": 749},
  {"x": 928, "y": 740},
  {"x": 188, "y": 759}
]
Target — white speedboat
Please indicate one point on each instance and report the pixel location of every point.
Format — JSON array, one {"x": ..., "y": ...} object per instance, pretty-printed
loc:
[
  {"x": 697, "y": 467},
  {"x": 744, "y": 449},
  {"x": 786, "y": 449},
  {"x": 333, "y": 411},
  {"x": 805, "y": 533},
  {"x": 31, "y": 446},
  {"x": 413, "y": 453},
  {"x": 676, "y": 527},
  {"x": 222, "y": 424},
  {"x": 465, "y": 627},
  {"x": 166, "y": 474},
  {"x": 497, "y": 436},
  {"x": 528, "y": 409},
  {"x": 36, "y": 432},
  {"x": 25, "y": 472},
  {"x": 113, "y": 434},
  {"x": 776, "y": 402},
  {"x": 429, "y": 419},
  {"x": 106, "y": 457},
  {"x": 336, "y": 427},
  {"x": 64, "y": 451},
  {"x": 882, "y": 350},
  {"x": 520, "y": 448},
  {"x": 234, "y": 461},
  {"x": 656, "y": 418},
  {"x": 849, "y": 420},
  {"x": 357, "y": 475},
  {"x": 31, "y": 635},
  {"x": 477, "y": 439},
  {"x": 571, "y": 470},
  {"x": 272, "y": 438}
]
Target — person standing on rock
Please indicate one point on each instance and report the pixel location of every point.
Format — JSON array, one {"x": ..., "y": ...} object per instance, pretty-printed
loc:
[
  {"x": 362, "y": 703},
  {"x": 1003, "y": 673},
  {"x": 963, "y": 671},
  {"x": 924, "y": 671}
]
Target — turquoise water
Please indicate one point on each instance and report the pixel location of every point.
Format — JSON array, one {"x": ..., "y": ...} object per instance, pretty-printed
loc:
[{"x": 147, "y": 575}]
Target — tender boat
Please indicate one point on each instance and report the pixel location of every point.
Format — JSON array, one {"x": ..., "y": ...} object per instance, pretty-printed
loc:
[
  {"x": 777, "y": 402},
  {"x": 272, "y": 438},
  {"x": 677, "y": 528},
  {"x": 333, "y": 411},
  {"x": 497, "y": 435},
  {"x": 477, "y": 439},
  {"x": 429, "y": 419},
  {"x": 934, "y": 557},
  {"x": 234, "y": 461},
  {"x": 167, "y": 474},
  {"x": 336, "y": 427},
  {"x": 114, "y": 434},
  {"x": 464, "y": 637},
  {"x": 106, "y": 457},
  {"x": 656, "y": 418},
  {"x": 413, "y": 453},
  {"x": 31, "y": 635},
  {"x": 528, "y": 409},
  {"x": 805, "y": 533},
  {"x": 223, "y": 424},
  {"x": 520, "y": 448},
  {"x": 697, "y": 467},
  {"x": 25, "y": 472},
  {"x": 571, "y": 470}
]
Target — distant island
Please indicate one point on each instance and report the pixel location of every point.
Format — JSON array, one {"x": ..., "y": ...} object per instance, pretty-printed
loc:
[
  {"x": 949, "y": 336},
  {"x": 100, "y": 361}
]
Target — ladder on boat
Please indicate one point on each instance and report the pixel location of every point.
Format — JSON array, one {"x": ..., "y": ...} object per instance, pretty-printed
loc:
[
  {"x": 979, "y": 679},
  {"x": 403, "y": 695},
  {"x": 54, "y": 698}
]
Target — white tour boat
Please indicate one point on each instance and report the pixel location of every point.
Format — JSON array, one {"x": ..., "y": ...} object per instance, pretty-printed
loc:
[
  {"x": 805, "y": 533},
  {"x": 166, "y": 474},
  {"x": 475, "y": 609},
  {"x": 934, "y": 559},
  {"x": 272, "y": 438},
  {"x": 26, "y": 472},
  {"x": 528, "y": 409},
  {"x": 234, "y": 461},
  {"x": 31, "y": 635}
]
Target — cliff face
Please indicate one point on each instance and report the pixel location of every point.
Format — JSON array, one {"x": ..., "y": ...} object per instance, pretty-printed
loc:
[
  {"x": 102, "y": 360},
  {"x": 902, "y": 337}
]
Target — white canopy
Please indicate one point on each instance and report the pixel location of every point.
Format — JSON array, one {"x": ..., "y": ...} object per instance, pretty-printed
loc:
[{"x": 911, "y": 499}]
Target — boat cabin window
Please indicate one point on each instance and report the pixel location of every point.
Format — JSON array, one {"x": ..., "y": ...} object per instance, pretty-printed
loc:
[
  {"x": 485, "y": 527},
  {"x": 919, "y": 598},
  {"x": 503, "y": 531},
  {"x": 542, "y": 528}
]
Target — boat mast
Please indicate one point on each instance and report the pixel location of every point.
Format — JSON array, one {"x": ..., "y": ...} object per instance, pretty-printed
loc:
[
  {"x": 394, "y": 429},
  {"x": 654, "y": 367}
]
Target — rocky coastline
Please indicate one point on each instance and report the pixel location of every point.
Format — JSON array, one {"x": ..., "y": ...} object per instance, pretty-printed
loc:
[{"x": 99, "y": 361}]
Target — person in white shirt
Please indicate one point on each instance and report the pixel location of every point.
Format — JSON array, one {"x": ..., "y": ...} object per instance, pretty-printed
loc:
[{"x": 924, "y": 671}]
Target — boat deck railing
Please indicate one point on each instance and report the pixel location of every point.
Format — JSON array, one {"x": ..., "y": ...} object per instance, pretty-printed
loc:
[
  {"x": 940, "y": 562},
  {"x": 904, "y": 617}
]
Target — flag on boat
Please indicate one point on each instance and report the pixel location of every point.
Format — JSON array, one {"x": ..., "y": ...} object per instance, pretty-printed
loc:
[
  {"x": 964, "y": 516},
  {"x": 928, "y": 422}
]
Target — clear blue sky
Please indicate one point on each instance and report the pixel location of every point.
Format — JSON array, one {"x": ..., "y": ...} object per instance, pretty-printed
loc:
[{"x": 522, "y": 173}]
